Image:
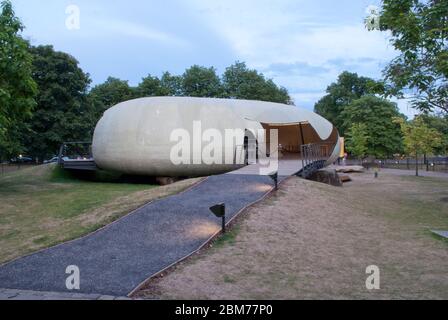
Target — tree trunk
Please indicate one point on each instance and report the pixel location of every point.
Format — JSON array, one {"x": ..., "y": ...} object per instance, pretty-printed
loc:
[{"x": 416, "y": 164}]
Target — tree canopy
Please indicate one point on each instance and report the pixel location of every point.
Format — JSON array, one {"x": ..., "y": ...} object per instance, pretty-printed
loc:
[
  {"x": 17, "y": 88},
  {"x": 418, "y": 138},
  {"x": 378, "y": 116},
  {"x": 112, "y": 92},
  {"x": 171, "y": 84},
  {"x": 239, "y": 82},
  {"x": 438, "y": 122},
  {"x": 419, "y": 31},
  {"x": 62, "y": 112},
  {"x": 200, "y": 81},
  {"x": 348, "y": 87},
  {"x": 357, "y": 140}
]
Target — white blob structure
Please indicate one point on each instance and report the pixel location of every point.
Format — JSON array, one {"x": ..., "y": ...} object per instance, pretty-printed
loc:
[{"x": 136, "y": 136}]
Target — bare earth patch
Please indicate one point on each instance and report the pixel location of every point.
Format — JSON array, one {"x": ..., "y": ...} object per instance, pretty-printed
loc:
[{"x": 314, "y": 241}]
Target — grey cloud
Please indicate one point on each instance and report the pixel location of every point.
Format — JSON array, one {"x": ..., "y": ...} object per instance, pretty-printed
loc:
[{"x": 298, "y": 68}]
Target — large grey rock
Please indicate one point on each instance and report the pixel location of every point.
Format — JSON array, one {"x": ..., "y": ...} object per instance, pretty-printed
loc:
[
  {"x": 348, "y": 169},
  {"x": 328, "y": 176}
]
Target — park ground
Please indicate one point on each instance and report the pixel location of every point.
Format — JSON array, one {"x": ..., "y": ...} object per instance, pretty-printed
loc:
[
  {"x": 43, "y": 206},
  {"x": 315, "y": 241}
]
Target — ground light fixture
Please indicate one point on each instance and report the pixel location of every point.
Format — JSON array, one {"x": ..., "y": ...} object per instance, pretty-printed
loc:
[
  {"x": 219, "y": 210},
  {"x": 274, "y": 177}
]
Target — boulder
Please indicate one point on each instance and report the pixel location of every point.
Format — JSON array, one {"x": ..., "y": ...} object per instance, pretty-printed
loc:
[
  {"x": 345, "y": 178},
  {"x": 349, "y": 169},
  {"x": 327, "y": 176}
]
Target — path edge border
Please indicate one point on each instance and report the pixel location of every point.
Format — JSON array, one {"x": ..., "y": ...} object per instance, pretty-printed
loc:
[
  {"x": 207, "y": 242},
  {"x": 103, "y": 227}
]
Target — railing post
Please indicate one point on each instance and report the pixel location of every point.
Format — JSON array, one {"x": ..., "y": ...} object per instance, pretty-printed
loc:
[
  {"x": 61, "y": 154},
  {"x": 302, "y": 154}
]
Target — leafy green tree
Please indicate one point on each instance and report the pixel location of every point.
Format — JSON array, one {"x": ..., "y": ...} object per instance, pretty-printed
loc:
[
  {"x": 17, "y": 88},
  {"x": 150, "y": 87},
  {"x": 357, "y": 140},
  {"x": 344, "y": 91},
  {"x": 112, "y": 92},
  {"x": 418, "y": 138},
  {"x": 438, "y": 122},
  {"x": 62, "y": 112},
  {"x": 378, "y": 116},
  {"x": 171, "y": 85},
  {"x": 419, "y": 30},
  {"x": 199, "y": 81},
  {"x": 239, "y": 82},
  {"x": 167, "y": 85}
]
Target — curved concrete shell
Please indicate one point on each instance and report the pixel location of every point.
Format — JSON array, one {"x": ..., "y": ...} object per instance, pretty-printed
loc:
[{"x": 138, "y": 136}]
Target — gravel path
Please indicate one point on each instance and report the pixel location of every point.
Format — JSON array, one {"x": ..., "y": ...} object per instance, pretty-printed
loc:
[{"x": 116, "y": 259}]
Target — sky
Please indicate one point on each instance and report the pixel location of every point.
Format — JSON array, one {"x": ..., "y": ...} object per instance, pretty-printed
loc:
[{"x": 302, "y": 45}]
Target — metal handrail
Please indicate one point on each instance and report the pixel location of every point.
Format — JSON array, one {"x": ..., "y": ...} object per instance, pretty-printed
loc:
[
  {"x": 313, "y": 157},
  {"x": 65, "y": 144}
]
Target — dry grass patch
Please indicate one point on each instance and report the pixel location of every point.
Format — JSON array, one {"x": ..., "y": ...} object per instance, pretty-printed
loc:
[{"x": 314, "y": 241}]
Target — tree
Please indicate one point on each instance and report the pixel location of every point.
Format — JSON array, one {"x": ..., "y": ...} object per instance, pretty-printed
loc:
[
  {"x": 17, "y": 88},
  {"x": 172, "y": 85},
  {"x": 418, "y": 138},
  {"x": 345, "y": 90},
  {"x": 199, "y": 81},
  {"x": 438, "y": 122},
  {"x": 239, "y": 82},
  {"x": 419, "y": 30},
  {"x": 110, "y": 93},
  {"x": 150, "y": 87},
  {"x": 62, "y": 112},
  {"x": 378, "y": 116},
  {"x": 357, "y": 140}
]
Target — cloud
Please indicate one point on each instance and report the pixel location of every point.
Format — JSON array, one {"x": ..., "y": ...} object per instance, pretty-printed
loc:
[
  {"x": 130, "y": 29},
  {"x": 351, "y": 63},
  {"x": 306, "y": 99},
  {"x": 264, "y": 32},
  {"x": 301, "y": 45},
  {"x": 298, "y": 68},
  {"x": 98, "y": 20}
]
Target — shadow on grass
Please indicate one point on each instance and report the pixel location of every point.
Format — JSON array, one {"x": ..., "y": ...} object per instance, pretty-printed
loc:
[{"x": 70, "y": 176}]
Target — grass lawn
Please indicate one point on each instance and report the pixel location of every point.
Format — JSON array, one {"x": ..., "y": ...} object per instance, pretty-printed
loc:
[
  {"x": 315, "y": 241},
  {"x": 43, "y": 206}
]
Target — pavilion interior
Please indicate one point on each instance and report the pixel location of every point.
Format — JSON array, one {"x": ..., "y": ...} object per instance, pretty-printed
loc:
[{"x": 292, "y": 137}]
